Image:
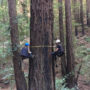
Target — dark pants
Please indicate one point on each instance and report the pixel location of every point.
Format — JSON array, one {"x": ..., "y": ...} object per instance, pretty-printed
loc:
[
  {"x": 25, "y": 57},
  {"x": 54, "y": 54}
]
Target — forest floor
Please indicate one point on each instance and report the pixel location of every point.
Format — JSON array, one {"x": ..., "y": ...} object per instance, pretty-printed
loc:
[{"x": 83, "y": 81}]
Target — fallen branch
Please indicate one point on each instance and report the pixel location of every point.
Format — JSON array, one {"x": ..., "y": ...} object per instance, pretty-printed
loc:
[{"x": 78, "y": 73}]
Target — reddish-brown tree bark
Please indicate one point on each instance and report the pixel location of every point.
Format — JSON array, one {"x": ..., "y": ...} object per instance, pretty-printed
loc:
[
  {"x": 19, "y": 75},
  {"x": 40, "y": 71},
  {"x": 70, "y": 79},
  {"x": 76, "y": 12},
  {"x": 61, "y": 29}
]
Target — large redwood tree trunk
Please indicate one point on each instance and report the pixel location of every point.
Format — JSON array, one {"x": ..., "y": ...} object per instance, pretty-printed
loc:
[
  {"x": 19, "y": 75},
  {"x": 61, "y": 29},
  {"x": 70, "y": 80},
  {"x": 40, "y": 71}
]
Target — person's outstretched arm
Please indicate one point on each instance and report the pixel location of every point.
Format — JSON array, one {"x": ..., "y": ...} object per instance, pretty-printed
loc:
[
  {"x": 29, "y": 50},
  {"x": 56, "y": 50}
]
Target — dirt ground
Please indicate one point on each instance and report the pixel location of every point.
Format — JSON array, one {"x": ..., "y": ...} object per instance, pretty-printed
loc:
[{"x": 82, "y": 82}]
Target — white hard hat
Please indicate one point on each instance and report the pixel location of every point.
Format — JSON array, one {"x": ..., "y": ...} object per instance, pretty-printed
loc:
[{"x": 58, "y": 41}]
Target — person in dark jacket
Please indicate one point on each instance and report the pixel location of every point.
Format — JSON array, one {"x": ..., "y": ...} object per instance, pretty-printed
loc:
[
  {"x": 25, "y": 52},
  {"x": 58, "y": 51}
]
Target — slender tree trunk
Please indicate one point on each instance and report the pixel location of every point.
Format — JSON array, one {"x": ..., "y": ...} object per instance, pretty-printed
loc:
[
  {"x": 76, "y": 31},
  {"x": 23, "y": 4},
  {"x": 53, "y": 61},
  {"x": 82, "y": 16},
  {"x": 19, "y": 75},
  {"x": 70, "y": 80},
  {"x": 3, "y": 16},
  {"x": 61, "y": 29},
  {"x": 24, "y": 9},
  {"x": 75, "y": 2},
  {"x": 78, "y": 11},
  {"x": 40, "y": 71},
  {"x": 88, "y": 12}
]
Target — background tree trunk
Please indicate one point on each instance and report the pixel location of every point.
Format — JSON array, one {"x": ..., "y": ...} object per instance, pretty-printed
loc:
[
  {"x": 24, "y": 9},
  {"x": 4, "y": 19},
  {"x": 40, "y": 71},
  {"x": 88, "y": 12},
  {"x": 82, "y": 16},
  {"x": 75, "y": 2},
  {"x": 61, "y": 29},
  {"x": 19, "y": 75},
  {"x": 70, "y": 80},
  {"x": 24, "y": 6}
]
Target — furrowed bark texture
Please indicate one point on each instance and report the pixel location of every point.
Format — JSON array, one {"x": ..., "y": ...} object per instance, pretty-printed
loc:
[
  {"x": 70, "y": 80},
  {"x": 40, "y": 71},
  {"x": 61, "y": 29},
  {"x": 19, "y": 75}
]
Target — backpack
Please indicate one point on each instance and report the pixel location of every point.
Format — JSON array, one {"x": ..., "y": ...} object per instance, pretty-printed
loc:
[
  {"x": 24, "y": 52},
  {"x": 61, "y": 52}
]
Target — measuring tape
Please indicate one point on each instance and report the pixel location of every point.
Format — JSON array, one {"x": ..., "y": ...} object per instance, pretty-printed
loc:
[{"x": 40, "y": 46}]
